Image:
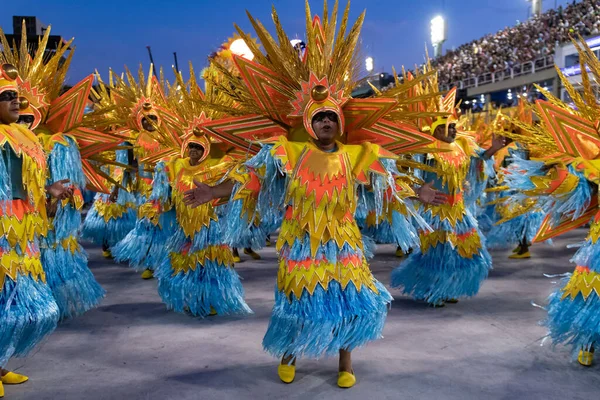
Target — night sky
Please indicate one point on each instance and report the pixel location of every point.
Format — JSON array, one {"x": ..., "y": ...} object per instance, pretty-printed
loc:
[{"x": 113, "y": 33}]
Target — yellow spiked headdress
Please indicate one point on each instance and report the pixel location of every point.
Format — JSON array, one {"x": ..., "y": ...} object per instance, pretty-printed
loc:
[
  {"x": 32, "y": 102},
  {"x": 8, "y": 78},
  {"x": 317, "y": 96},
  {"x": 446, "y": 105},
  {"x": 277, "y": 93}
]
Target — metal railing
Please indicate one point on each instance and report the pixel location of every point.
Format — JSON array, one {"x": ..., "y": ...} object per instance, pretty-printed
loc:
[{"x": 527, "y": 68}]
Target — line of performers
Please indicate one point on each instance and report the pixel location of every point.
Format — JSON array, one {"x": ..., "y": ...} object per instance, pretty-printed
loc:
[{"x": 274, "y": 143}]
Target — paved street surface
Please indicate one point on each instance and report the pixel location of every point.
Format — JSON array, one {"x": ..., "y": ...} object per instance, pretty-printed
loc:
[{"x": 488, "y": 347}]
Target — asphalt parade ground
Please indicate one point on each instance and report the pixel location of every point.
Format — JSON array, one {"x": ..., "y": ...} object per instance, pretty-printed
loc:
[{"x": 488, "y": 347}]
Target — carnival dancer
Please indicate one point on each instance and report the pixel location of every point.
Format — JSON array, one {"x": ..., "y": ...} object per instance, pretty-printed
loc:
[
  {"x": 452, "y": 261},
  {"x": 195, "y": 268},
  {"x": 113, "y": 214},
  {"x": 143, "y": 106},
  {"x": 516, "y": 223},
  {"x": 28, "y": 311},
  {"x": 327, "y": 301},
  {"x": 568, "y": 144},
  {"x": 53, "y": 117}
]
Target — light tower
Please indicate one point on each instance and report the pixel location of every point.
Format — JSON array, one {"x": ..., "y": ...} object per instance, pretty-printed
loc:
[
  {"x": 438, "y": 34},
  {"x": 536, "y": 7}
]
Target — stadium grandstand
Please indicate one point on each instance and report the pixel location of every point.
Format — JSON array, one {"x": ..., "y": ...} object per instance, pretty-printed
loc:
[{"x": 499, "y": 68}]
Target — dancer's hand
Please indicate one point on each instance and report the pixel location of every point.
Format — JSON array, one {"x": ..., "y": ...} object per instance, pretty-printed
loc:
[
  {"x": 114, "y": 195},
  {"x": 201, "y": 194},
  {"x": 428, "y": 195},
  {"x": 499, "y": 142},
  {"x": 58, "y": 189}
]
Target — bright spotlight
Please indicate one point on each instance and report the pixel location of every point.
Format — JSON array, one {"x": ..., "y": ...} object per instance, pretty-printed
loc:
[
  {"x": 369, "y": 65},
  {"x": 438, "y": 30},
  {"x": 240, "y": 48}
]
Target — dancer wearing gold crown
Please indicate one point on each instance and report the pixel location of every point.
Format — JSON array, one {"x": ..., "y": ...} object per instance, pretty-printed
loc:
[
  {"x": 568, "y": 143},
  {"x": 28, "y": 311},
  {"x": 143, "y": 105},
  {"x": 515, "y": 223},
  {"x": 194, "y": 267},
  {"x": 113, "y": 215},
  {"x": 319, "y": 154},
  {"x": 452, "y": 261},
  {"x": 57, "y": 121}
]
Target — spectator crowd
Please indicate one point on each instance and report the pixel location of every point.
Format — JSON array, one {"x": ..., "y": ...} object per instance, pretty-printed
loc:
[{"x": 534, "y": 39}]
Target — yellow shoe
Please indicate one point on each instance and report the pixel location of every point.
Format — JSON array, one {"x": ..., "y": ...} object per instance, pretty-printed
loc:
[
  {"x": 252, "y": 254},
  {"x": 13, "y": 379},
  {"x": 268, "y": 242},
  {"x": 517, "y": 249},
  {"x": 237, "y": 259},
  {"x": 518, "y": 256},
  {"x": 148, "y": 274},
  {"x": 286, "y": 373},
  {"x": 213, "y": 312},
  {"x": 585, "y": 358},
  {"x": 399, "y": 253},
  {"x": 1, "y": 390},
  {"x": 346, "y": 380},
  {"x": 106, "y": 254}
]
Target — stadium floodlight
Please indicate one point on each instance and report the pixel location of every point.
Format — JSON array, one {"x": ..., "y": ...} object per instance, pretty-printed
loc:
[
  {"x": 240, "y": 48},
  {"x": 369, "y": 65},
  {"x": 438, "y": 34}
]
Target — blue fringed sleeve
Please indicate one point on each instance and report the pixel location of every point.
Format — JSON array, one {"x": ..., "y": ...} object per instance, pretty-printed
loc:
[{"x": 256, "y": 203}]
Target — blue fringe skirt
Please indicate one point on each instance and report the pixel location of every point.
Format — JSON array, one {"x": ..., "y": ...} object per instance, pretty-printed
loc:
[
  {"x": 100, "y": 232},
  {"x": 441, "y": 273},
  {"x": 28, "y": 313},
  {"x": 575, "y": 321},
  {"x": 327, "y": 321},
  {"x": 511, "y": 233},
  {"x": 145, "y": 246},
  {"x": 73, "y": 285},
  {"x": 211, "y": 283}
]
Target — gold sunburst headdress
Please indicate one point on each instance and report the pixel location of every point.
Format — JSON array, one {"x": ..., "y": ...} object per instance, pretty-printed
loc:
[
  {"x": 8, "y": 78},
  {"x": 278, "y": 92},
  {"x": 42, "y": 79},
  {"x": 566, "y": 135},
  {"x": 192, "y": 109}
]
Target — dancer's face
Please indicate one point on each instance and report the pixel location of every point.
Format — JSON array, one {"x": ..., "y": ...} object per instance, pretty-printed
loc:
[
  {"x": 326, "y": 126},
  {"x": 9, "y": 107},
  {"x": 440, "y": 133},
  {"x": 195, "y": 152},
  {"x": 149, "y": 126}
]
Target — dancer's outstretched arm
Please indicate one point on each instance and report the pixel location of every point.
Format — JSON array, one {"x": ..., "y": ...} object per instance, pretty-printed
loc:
[{"x": 203, "y": 193}]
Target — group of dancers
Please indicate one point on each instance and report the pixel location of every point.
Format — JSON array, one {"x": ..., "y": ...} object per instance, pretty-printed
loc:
[{"x": 275, "y": 143}]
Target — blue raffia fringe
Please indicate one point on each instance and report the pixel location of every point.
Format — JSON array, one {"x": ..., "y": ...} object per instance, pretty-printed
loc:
[
  {"x": 28, "y": 314},
  {"x": 210, "y": 284},
  {"x": 196, "y": 291},
  {"x": 327, "y": 321},
  {"x": 144, "y": 247},
  {"x": 576, "y": 322},
  {"x": 100, "y": 232},
  {"x": 441, "y": 273},
  {"x": 73, "y": 285},
  {"x": 511, "y": 233}
]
